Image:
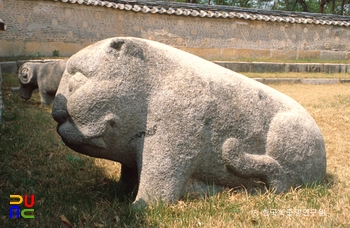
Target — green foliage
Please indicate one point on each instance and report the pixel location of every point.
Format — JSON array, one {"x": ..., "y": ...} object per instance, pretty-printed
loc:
[
  {"x": 36, "y": 55},
  {"x": 312, "y": 6},
  {"x": 56, "y": 53}
]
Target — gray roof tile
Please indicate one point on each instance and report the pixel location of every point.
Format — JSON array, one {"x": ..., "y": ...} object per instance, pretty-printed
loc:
[{"x": 196, "y": 10}]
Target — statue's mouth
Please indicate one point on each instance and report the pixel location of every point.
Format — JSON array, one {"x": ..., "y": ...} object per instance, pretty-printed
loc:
[{"x": 72, "y": 137}]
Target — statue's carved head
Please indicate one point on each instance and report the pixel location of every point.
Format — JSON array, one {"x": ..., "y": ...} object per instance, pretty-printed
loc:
[
  {"x": 27, "y": 79},
  {"x": 99, "y": 107}
]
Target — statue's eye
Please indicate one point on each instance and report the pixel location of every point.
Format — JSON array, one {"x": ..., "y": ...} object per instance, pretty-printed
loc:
[
  {"x": 76, "y": 81},
  {"x": 24, "y": 70}
]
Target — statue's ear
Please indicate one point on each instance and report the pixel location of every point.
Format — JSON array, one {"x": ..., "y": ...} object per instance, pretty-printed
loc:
[
  {"x": 117, "y": 44},
  {"x": 126, "y": 47}
]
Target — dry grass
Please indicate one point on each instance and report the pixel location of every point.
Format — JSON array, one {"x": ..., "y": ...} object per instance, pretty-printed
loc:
[
  {"x": 329, "y": 105},
  {"x": 33, "y": 160}
]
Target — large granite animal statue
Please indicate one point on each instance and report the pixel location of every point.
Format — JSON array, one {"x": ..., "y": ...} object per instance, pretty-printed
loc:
[
  {"x": 44, "y": 76},
  {"x": 177, "y": 122}
]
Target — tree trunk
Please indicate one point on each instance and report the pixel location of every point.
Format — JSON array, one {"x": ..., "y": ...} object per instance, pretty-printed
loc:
[
  {"x": 333, "y": 4},
  {"x": 342, "y": 7},
  {"x": 303, "y": 4},
  {"x": 287, "y": 5},
  {"x": 322, "y": 4}
]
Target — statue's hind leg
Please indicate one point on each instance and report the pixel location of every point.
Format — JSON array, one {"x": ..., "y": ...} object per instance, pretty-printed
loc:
[{"x": 253, "y": 166}]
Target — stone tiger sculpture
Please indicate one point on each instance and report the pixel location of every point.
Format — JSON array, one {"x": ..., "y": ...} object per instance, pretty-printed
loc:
[{"x": 177, "y": 122}]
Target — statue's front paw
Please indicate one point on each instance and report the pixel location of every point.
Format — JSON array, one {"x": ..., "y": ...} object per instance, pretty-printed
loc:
[{"x": 139, "y": 204}]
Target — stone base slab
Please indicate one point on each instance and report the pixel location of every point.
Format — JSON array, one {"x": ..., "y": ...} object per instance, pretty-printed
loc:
[{"x": 263, "y": 67}]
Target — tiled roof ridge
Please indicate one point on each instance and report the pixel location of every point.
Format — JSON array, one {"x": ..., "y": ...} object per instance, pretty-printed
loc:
[{"x": 197, "y": 10}]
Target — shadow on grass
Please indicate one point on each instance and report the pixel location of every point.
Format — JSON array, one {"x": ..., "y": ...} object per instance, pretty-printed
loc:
[
  {"x": 64, "y": 183},
  {"x": 34, "y": 161}
]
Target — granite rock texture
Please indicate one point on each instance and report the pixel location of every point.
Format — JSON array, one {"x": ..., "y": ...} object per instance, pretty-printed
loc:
[
  {"x": 42, "y": 76},
  {"x": 177, "y": 122}
]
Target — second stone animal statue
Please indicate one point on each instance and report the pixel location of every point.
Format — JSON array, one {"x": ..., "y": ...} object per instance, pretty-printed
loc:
[
  {"x": 44, "y": 76},
  {"x": 177, "y": 122}
]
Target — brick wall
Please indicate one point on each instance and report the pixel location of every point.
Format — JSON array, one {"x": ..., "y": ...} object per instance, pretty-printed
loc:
[{"x": 42, "y": 26}]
